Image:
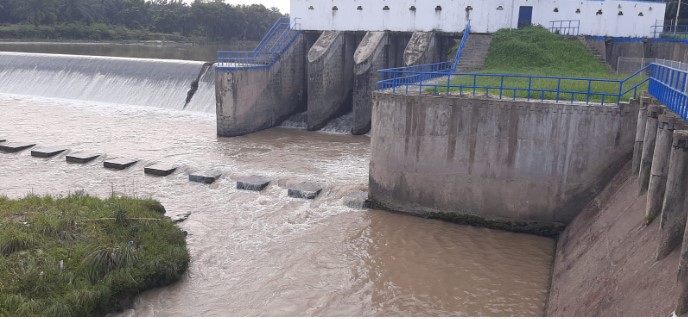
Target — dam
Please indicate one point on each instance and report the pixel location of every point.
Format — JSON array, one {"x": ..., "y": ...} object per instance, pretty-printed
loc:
[{"x": 575, "y": 182}]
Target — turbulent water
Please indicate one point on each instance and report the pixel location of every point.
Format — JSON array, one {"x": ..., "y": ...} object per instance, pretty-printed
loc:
[{"x": 259, "y": 253}]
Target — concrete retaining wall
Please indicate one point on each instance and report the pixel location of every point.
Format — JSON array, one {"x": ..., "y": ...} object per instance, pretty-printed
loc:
[
  {"x": 252, "y": 100},
  {"x": 648, "y": 49},
  {"x": 524, "y": 161}
]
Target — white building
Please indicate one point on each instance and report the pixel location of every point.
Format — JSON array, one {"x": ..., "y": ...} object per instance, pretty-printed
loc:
[{"x": 617, "y": 18}]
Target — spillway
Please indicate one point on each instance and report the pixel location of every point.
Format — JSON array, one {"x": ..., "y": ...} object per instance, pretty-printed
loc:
[{"x": 144, "y": 82}]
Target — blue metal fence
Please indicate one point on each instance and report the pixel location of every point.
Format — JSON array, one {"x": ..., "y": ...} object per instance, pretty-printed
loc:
[
  {"x": 510, "y": 86},
  {"x": 464, "y": 39},
  {"x": 669, "y": 86},
  {"x": 278, "y": 39}
]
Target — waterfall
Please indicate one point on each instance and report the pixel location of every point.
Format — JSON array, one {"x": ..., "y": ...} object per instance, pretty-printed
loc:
[{"x": 146, "y": 82}]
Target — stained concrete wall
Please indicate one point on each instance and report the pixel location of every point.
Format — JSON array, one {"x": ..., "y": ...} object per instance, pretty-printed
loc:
[
  {"x": 523, "y": 161},
  {"x": 613, "y": 49},
  {"x": 250, "y": 100},
  {"x": 330, "y": 77},
  {"x": 422, "y": 48}
]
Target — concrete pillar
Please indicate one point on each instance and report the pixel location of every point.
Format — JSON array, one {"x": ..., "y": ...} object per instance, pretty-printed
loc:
[
  {"x": 370, "y": 56},
  {"x": 653, "y": 112},
  {"x": 250, "y": 100},
  {"x": 330, "y": 77},
  {"x": 675, "y": 205},
  {"x": 423, "y": 48},
  {"x": 640, "y": 135},
  {"x": 660, "y": 166}
]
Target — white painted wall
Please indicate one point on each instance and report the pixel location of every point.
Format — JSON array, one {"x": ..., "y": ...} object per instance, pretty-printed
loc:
[{"x": 485, "y": 17}]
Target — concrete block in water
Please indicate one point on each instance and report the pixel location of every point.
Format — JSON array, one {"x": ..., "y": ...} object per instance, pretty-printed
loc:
[
  {"x": 45, "y": 152},
  {"x": 356, "y": 200},
  {"x": 120, "y": 163},
  {"x": 2, "y": 140},
  {"x": 205, "y": 177},
  {"x": 15, "y": 147},
  {"x": 253, "y": 183},
  {"x": 160, "y": 169},
  {"x": 305, "y": 190},
  {"x": 81, "y": 157}
]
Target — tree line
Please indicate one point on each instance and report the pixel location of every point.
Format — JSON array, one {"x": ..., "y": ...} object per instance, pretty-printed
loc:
[{"x": 211, "y": 19}]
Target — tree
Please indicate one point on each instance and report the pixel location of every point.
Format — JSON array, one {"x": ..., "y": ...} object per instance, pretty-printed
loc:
[
  {"x": 36, "y": 11},
  {"x": 78, "y": 11}
]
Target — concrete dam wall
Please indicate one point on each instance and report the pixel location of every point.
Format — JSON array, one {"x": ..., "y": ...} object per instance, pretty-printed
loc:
[
  {"x": 326, "y": 75},
  {"x": 145, "y": 82},
  {"x": 502, "y": 160}
]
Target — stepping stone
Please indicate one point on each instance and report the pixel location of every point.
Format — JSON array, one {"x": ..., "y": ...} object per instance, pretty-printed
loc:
[
  {"x": 119, "y": 163},
  {"x": 81, "y": 157},
  {"x": 2, "y": 140},
  {"x": 160, "y": 169},
  {"x": 15, "y": 147},
  {"x": 253, "y": 183},
  {"x": 45, "y": 152},
  {"x": 305, "y": 190},
  {"x": 205, "y": 177},
  {"x": 356, "y": 200}
]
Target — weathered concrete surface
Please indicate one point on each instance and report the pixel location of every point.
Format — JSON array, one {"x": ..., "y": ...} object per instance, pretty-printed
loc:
[
  {"x": 675, "y": 205},
  {"x": 422, "y": 48},
  {"x": 660, "y": 165},
  {"x": 356, "y": 200},
  {"x": 605, "y": 260},
  {"x": 160, "y": 169},
  {"x": 253, "y": 183},
  {"x": 253, "y": 100},
  {"x": 45, "y": 152},
  {"x": 370, "y": 56},
  {"x": 330, "y": 77},
  {"x": 305, "y": 190},
  {"x": 119, "y": 163},
  {"x": 649, "y": 141},
  {"x": 81, "y": 157},
  {"x": 14, "y": 147},
  {"x": 640, "y": 134},
  {"x": 208, "y": 177},
  {"x": 524, "y": 161}
]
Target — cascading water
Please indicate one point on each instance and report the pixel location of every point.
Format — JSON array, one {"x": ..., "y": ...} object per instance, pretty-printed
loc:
[
  {"x": 145, "y": 82},
  {"x": 341, "y": 125}
]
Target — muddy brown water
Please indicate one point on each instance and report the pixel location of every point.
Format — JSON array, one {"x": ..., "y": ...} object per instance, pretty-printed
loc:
[{"x": 264, "y": 254}]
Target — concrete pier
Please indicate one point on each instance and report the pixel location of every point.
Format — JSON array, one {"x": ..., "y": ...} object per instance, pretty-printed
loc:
[
  {"x": 660, "y": 165},
  {"x": 422, "y": 48},
  {"x": 250, "y": 100},
  {"x": 119, "y": 163},
  {"x": 649, "y": 140},
  {"x": 305, "y": 190},
  {"x": 675, "y": 206},
  {"x": 253, "y": 183},
  {"x": 330, "y": 77},
  {"x": 640, "y": 135},
  {"x": 370, "y": 56},
  {"x": 160, "y": 169},
  {"x": 208, "y": 177},
  {"x": 676, "y": 202}
]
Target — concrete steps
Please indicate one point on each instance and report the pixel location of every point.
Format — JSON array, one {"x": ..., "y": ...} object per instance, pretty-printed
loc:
[
  {"x": 596, "y": 53},
  {"x": 474, "y": 52}
]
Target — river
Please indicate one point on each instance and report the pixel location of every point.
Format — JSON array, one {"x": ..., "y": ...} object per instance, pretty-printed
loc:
[{"x": 265, "y": 254}]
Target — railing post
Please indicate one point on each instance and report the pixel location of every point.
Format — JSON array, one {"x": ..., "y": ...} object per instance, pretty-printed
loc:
[
  {"x": 587, "y": 98},
  {"x": 558, "y": 90}
]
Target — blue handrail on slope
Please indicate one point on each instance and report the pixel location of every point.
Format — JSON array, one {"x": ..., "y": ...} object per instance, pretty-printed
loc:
[
  {"x": 670, "y": 86},
  {"x": 278, "y": 39},
  {"x": 464, "y": 39}
]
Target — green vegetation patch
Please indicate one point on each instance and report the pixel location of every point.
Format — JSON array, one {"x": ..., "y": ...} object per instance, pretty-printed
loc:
[
  {"x": 536, "y": 51},
  {"x": 84, "y": 256}
]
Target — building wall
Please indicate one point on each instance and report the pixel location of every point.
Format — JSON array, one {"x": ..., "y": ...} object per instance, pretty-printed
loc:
[
  {"x": 485, "y": 16},
  {"x": 495, "y": 159}
]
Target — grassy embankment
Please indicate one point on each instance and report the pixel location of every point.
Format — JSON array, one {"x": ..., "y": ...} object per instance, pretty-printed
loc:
[
  {"x": 536, "y": 51},
  {"x": 81, "y": 255}
]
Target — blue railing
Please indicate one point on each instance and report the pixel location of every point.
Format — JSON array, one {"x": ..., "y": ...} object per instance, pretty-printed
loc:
[
  {"x": 669, "y": 86},
  {"x": 565, "y": 27},
  {"x": 670, "y": 32},
  {"x": 278, "y": 39},
  {"x": 511, "y": 86},
  {"x": 464, "y": 39}
]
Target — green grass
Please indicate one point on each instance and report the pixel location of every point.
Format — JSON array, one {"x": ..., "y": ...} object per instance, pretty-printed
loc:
[
  {"x": 82, "y": 256},
  {"x": 536, "y": 51}
]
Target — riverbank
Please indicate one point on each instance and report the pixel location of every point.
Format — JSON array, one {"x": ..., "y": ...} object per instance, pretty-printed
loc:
[{"x": 84, "y": 256}]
